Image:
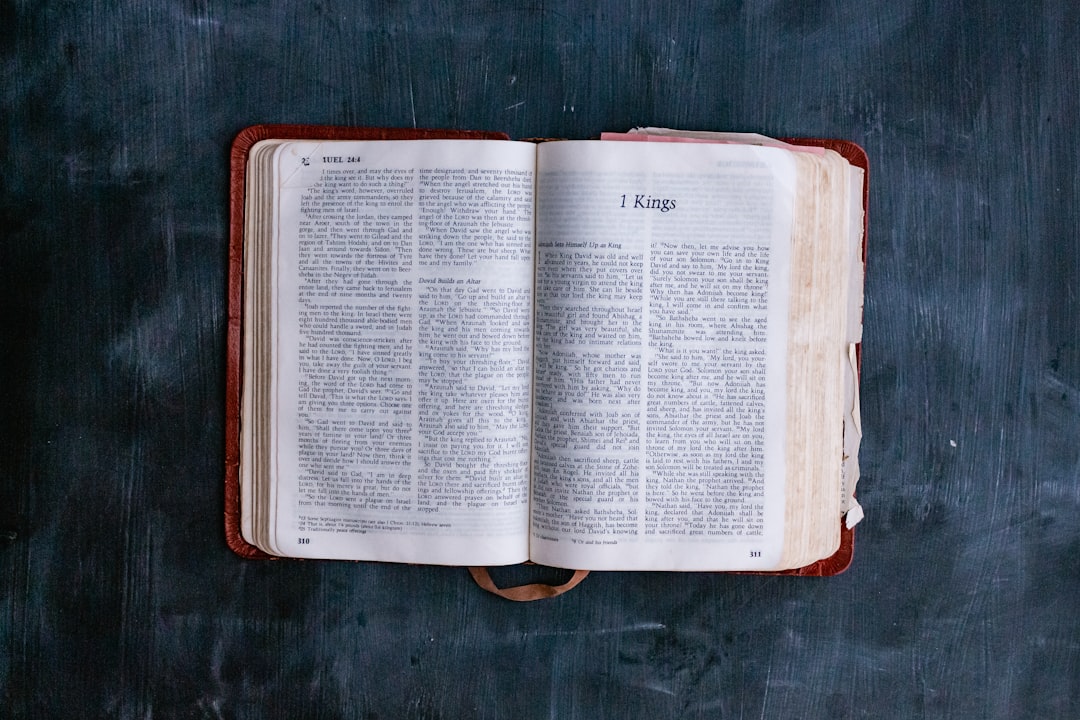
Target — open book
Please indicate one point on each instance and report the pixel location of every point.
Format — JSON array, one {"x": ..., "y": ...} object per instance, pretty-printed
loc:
[{"x": 588, "y": 354}]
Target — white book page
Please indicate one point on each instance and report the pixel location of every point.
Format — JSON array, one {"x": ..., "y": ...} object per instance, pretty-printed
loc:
[
  {"x": 403, "y": 351},
  {"x": 661, "y": 332}
]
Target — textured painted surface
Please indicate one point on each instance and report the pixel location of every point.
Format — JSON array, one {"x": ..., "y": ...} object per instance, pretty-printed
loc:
[{"x": 118, "y": 597}]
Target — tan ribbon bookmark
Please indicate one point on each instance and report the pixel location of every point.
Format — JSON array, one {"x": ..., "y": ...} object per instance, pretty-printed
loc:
[{"x": 524, "y": 593}]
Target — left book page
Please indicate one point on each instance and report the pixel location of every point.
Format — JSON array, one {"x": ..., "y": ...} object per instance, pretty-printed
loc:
[{"x": 389, "y": 356}]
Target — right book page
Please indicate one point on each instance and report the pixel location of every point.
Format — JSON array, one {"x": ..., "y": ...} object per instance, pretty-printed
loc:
[{"x": 661, "y": 400}]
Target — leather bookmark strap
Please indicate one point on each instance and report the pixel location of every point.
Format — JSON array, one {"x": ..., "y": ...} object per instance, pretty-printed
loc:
[{"x": 524, "y": 593}]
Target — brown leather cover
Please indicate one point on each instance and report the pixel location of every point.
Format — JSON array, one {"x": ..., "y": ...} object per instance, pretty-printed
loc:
[
  {"x": 241, "y": 146},
  {"x": 832, "y": 565}
]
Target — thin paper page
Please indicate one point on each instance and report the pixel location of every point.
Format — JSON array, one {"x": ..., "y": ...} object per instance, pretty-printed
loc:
[
  {"x": 404, "y": 301},
  {"x": 662, "y": 283}
]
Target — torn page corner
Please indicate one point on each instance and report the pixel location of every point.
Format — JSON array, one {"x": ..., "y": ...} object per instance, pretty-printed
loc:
[{"x": 854, "y": 514}]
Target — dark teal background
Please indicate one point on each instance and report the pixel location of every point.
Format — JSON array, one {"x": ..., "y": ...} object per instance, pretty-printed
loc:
[{"x": 118, "y": 596}]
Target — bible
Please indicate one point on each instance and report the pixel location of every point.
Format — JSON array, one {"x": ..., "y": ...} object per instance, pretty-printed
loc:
[{"x": 632, "y": 353}]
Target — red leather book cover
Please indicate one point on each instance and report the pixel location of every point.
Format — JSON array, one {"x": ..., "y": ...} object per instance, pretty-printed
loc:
[{"x": 242, "y": 144}]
